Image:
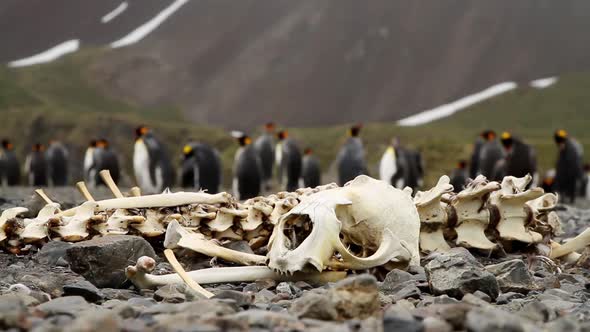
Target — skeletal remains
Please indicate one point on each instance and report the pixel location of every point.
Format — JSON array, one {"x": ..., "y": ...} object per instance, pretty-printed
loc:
[{"x": 313, "y": 234}]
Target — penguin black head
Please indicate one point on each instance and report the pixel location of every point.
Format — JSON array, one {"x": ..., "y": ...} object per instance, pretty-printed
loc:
[
  {"x": 187, "y": 151},
  {"x": 462, "y": 164},
  {"x": 586, "y": 167},
  {"x": 270, "y": 127},
  {"x": 7, "y": 145},
  {"x": 282, "y": 135},
  {"x": 507, "y": 140},
  {"x": 488, "y": 135},
  {"x": 141, "y": 131},
  {"x": 92, "y": 144},
  {"x": 560, "y": 136},
  {"x": 38, "y": 147},
  {"x": 308, "y": 151},
  {"x": 355, "y": 130}
]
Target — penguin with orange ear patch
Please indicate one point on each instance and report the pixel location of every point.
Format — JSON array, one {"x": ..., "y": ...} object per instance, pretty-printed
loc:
[
  {"x": 459, "y": 176},
  {"x": 201, "y": 167},
  {"x": 311, "y": 171},
  {"x": 36, "y": 166},
  {"x": 490, "y": 154},
  {"x": 247, "y": 181},
  {"x": 151, "y": 163},
  {"x": 569, "y": 168},
  {"x": 351, "y": 158},
  {"x": 9, "y": 165},
  {"x": 521, "y": 158}
]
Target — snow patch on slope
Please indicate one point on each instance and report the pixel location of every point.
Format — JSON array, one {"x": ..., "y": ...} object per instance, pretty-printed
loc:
[
  {"x": 51, "y": 54},
  {"x": 115, "y": 12},
  {"x": 145, "y": 29},
  {"x": 543, "y": 83},
  {"x": 453, "y": 107}
]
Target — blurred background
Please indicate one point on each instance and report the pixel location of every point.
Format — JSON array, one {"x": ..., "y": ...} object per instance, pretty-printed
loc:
[{"x": 195, "y": 69}]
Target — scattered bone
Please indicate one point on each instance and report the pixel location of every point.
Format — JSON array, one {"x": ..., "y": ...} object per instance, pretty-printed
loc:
[
  {"x": 84, "y": 191},
  {"x": 106, "y": 177},
  {"x": 185, "y": 277},
  {"x": 139, "y": 275},
  {"x": 7, "y": 218},
  {"x": 433, "y": 216},
  {"x": 37, "y": 229},
  {"x": 177, "y": 236},
  {"x": 472, "y": 215}
]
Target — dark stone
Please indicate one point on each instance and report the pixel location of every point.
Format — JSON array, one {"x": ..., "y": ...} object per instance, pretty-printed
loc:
[
  {"x": 69, "y": 305},
  {"x": 492, "y": 320},
  {"x": 397, "y": 318},
  {"x": 457, "y": 273},
  {"x": 170, "y": 294},
  {"x": 85, "y": 289},
  {"x": 395, "y": 281},
  {"x": 505, "y": 298},
  {"x": 13, "y": 312},
  {"x": 243, "y": 300},
  {"x": 314, "y": 306},
  {"x": 513, "y": 276},
  {"x": 103, "y": 260}
]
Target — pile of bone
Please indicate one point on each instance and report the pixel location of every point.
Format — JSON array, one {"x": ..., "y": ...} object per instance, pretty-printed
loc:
[{"x": 492, "y": 216}]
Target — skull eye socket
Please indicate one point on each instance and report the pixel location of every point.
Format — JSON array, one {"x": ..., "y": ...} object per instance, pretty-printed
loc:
[{"x": 296, "y": 229}]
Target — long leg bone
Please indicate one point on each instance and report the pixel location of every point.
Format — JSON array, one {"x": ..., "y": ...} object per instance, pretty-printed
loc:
[
  {"x": 7, "y": 217},
  {"x": 139, "y": 275},
  {"x": 177, "y": 236},
  {"x": 578, "y": 243}
]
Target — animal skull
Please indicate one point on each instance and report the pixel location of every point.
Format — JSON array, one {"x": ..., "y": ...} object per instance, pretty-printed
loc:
[{"x": 366, "y": 213}]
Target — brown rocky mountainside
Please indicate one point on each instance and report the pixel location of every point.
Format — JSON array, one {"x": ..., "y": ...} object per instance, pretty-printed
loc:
[{"x": 309, "y": 62}]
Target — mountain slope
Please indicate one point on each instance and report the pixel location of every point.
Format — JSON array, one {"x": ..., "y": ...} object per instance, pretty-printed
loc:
[{"x": 308, "y": 62}]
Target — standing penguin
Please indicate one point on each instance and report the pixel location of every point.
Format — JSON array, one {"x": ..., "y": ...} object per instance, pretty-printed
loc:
[
  {"x": 311, "y": 171},
  {"x": 106, "y": 158},
  {"x": 490, "y": 154},
  {"x": 10, "y": 168},
  {"x": 265, "y": 147},
  {"x": 201, "y": 167},
  {"x": 247, "y": 179},
  {"x": 520, "y": 158},
  {"x": 36, "y": 166},
  {"x": 288, "y": 160},
  {"x": 90, "y": 167},
  {"x": 459, "y": 176},
  {"x": 401, "y": 167},
  {"x": 151, "y": 164},
  {"x": 351, "y": 158},
  {"x": 57, "y": 164},
  {"x": 568, "y": 171}
]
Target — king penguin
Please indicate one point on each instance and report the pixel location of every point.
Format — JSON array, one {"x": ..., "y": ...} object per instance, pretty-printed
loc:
[
  {"x": 151, "y": 164},
  {"x": 247, "y": 179},
  {"x": 57, "y": 164},
  {"x": 311, "y": 171},
  {"x": 201, "y": 167},
  {"x": 490, "y": 154},
  {"x": 391, "y": 166},
  {"x": 350, "y": 161},
  {"x": 90, "y": 167},
  {"x": 106, "y": 158},
  {"x": 10, "y": 167},
  {"x": 288, "y": 160},
  {"x": 569, "y": 168},
  {"x": 521, "y": 158},
  {"x": 459, "y": 176},
  {"x": 36, "y": 166},
  {"x": 265, "y": 147}
]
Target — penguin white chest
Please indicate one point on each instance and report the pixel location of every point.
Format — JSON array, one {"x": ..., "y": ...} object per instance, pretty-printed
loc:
[
  {"x": 387, "y": 166},
  {"x": 141, "y": 162}
]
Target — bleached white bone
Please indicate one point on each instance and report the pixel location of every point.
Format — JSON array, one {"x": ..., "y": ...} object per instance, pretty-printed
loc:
[
  {"x": 158, "y": 200},
  {"x": 510, "y": 201},
  {"x": 282, "y": 206},
  {"x": 225, "y": 219},
  {"x": 135, "y": 191},
  {"x": 256, "y": 214},
  {"x": 178, "y": 236},
  {"x": 37, "y": 229},
  {"x": 106, "y": 177},
  {"x": 472, "y": 215},
  {"x": 433, "y": 216},
  {"x": 577, "y": 243},
  {"x": 155, "y": 223},
  {"x": 75, "y": 228},
  {"x": 139, "y": 275},
  {"x": 8, "y": 216},
  {"x": 185, "y": 277},
  {"x": 118, "y": 222},
  {"x": 81, "y": 186},
  {"x": 194, "y": 215}
]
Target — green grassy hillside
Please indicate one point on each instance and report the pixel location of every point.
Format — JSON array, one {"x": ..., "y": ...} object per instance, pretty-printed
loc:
[{"x": 60, "y": 101}]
